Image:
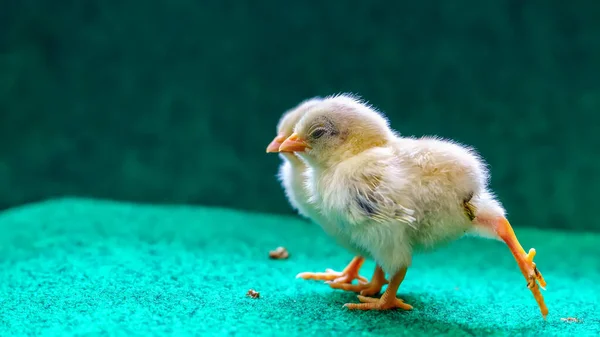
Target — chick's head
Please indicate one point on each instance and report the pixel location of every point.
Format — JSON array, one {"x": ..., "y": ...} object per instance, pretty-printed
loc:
[
  {"x": 336, "y": 129},
  {"x": 285, "y": 126}
]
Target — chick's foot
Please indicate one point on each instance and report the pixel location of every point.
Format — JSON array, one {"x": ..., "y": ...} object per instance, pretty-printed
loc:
[
  {"x": 349, "y": 274},
  {"x": 370, "y": 303},
  {"x": 387, "y": 301},
  {"x": 528, "y": 268},
  {"x": 366, "y": 289}
]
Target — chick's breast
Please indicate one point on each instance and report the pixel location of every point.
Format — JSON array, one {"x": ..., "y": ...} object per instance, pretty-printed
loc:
[
  {"x": 366, "y": 197},
  {"x": 291, "y": 177},
  {"x": 298, "y": 184}
]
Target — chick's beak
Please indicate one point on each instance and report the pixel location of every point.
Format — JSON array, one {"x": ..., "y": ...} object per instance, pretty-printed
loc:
[
  {"x": 293, "y": 144},
  {"x": 275, "y": 143}
]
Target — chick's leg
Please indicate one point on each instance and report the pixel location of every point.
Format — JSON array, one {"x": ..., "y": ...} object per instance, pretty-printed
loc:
[
  {"x": 366, "y": 289},
  {"x": 349, "y": 274},
  {"x": 387, "y": 301},
  {"x": 525, "y": 262}
]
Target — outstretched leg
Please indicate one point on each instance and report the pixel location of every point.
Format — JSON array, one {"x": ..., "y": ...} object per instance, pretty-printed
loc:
[
  {"x": 349, "y": 274},
  {"x": 387, "y": 301},
  {"x": 366, "y": 289},
  {"x": 525, "y": 260}
]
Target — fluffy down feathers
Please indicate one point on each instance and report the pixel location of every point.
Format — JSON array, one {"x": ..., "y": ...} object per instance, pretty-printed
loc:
[{"x": 391, "y": 195}]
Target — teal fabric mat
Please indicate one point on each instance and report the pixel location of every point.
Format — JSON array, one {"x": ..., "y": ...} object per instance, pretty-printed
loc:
[{"x": 99, "y": 268}]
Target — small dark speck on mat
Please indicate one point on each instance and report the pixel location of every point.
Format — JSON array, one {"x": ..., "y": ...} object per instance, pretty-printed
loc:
[
  {"x": 571, "y": 320},
  {"x": 279, "y": 253},
  {"x": 253, "y": 293}
]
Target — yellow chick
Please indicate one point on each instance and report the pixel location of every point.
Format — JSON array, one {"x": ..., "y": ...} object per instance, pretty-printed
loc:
[
  {"x": 292, "y": 175},
  {"x": 291, "y": 171},
  {"x": 395, "y": 196}
]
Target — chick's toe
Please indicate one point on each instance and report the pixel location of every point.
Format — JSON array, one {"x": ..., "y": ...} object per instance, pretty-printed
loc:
[
  {"x": 366, "y": 289},
  {"x": 349, "y": 274},
  {"x": 370, "y": 303}
]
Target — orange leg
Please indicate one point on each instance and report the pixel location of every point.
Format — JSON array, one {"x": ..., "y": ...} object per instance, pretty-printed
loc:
[
  {"x": 525, "y": 262},
  {"x": 349, "y": 274},
  {"x": 387, "y": 301},
  {"x": 366, "y": 289}
]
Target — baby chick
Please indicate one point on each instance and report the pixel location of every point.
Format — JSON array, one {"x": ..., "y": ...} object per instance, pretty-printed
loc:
[
  {"x": 292, "y": 175},
  {"x": 395, "y": 196},
  {"x": 291, "y": 171}
]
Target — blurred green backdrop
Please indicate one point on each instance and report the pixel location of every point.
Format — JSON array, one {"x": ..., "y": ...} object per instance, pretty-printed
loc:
[{"x": 175, "y": 101}]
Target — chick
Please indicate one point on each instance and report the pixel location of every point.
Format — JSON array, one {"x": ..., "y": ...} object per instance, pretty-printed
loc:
[
  {"x": 395, "y": 196},
  {"x": 291, "y": 171},
  {"x": 292, "y": 175}
]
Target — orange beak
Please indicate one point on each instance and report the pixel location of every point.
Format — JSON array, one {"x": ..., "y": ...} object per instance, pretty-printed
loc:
[
  {"x": 293, "y": 144},
  {"x": 276, "y": 143}
]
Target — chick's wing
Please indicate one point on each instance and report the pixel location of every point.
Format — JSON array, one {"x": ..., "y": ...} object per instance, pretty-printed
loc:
[{"x": 377, "y": 194}]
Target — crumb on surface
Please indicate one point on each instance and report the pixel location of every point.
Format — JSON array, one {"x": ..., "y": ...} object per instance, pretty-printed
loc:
[
  {"x": 253, "y": 293},
  {"x": 570, "y": 319},
  {"x": 279, "y": 253}
]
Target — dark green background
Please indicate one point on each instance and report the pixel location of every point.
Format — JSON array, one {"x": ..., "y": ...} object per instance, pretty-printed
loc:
[{"x": 175, "y": 101}]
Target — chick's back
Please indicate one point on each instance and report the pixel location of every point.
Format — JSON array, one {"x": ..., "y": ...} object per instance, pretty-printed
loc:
[{"x": 442, "y": 168}]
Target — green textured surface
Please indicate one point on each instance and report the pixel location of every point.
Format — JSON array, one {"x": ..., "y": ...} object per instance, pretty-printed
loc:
[{"x": 75, "y": 266}]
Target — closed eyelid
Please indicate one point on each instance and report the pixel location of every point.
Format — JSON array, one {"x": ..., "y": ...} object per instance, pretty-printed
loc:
[{"x": 316, "y": 127}]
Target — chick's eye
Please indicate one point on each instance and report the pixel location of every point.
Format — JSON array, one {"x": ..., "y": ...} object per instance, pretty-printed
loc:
[{"x": 317, "y": 133}]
